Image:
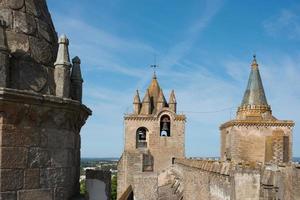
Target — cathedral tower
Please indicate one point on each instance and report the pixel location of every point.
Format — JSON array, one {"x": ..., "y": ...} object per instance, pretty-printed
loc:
[
  {"x": 255, "y": 134},
  {"x": 154, "y": 135}
]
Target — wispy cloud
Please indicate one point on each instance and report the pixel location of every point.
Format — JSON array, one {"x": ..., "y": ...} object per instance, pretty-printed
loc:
[
  {"x": 182, "y": 47},
  {"x": 286, "y": 23}
]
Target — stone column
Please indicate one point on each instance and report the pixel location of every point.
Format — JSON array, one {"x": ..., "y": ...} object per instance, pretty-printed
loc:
[
  {"x": 4, "y": 56},
  {"x": 62, "y": 68}
]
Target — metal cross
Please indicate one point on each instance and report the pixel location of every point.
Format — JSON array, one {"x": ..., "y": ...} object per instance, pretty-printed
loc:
[{"x": 154, "y": 66}]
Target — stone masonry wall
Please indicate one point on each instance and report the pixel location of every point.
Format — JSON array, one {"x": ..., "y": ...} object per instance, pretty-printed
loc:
[
  {"x": 249, "y": 143},
  {"x": 32, "y": 43},
  {"x": 217, "y": 180},
  {"x": 39, "y": 146}
]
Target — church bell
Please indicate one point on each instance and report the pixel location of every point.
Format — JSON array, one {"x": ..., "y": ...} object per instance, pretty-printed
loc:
[{"x": 165, "y": 127}]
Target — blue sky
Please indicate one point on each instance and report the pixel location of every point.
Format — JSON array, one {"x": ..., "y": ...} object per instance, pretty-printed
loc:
[{"x": 204, "y": 49}]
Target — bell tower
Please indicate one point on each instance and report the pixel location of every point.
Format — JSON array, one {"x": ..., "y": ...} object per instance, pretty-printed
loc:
[{"x": 154, "y": 134}]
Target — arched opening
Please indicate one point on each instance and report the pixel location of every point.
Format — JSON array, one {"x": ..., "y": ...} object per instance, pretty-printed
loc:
[
  {"x": 165, "y": 126},
  {"x": 141, "y": 137}
]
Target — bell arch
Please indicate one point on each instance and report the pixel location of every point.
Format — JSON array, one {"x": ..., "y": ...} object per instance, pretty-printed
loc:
[
  {"x": 141, "y": 137},
  {"x": 165, "y": 126}
]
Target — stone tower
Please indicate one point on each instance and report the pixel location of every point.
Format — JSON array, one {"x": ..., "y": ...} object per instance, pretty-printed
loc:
[
  {"x": 154, "y": 135},
  {"x": 40, "y": 120},
  {"x": 255, "y": 134}
]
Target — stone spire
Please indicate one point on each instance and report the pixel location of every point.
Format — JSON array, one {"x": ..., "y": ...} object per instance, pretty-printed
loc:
[
  {"x": 76, "y": 80},
  {"x": 254, "y": 101},
  {"x": 161, "y": 100},
  {"x": 62, "y": 68},
  {"x": 4, "y": 56},
  {"x": 172, "y": 101},
  {"x": 146, "y": 104},
  {"x": 255, "y": 94},
  {"x": 137, "y": 103}
]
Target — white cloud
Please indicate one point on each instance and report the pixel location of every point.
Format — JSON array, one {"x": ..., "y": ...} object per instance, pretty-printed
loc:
[{"x": 286, "y": 23}]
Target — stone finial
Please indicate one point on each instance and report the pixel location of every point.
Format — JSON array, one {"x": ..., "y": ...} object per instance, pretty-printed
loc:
[
  {"x": 172, "y": 98},
  {"x": 146, "y": 98},
  {"x": 161, "y": 101},
  {"x": 146, "y": 104},
  {"x": 62, "y": 69},
  {"x": 137, "y": 98},
  {"x": 254, "y": 62},
  {"x": 76, "y": 80},
  {"x": 172, "y": 101},
  {"x": 76, "y": 70},
  {"x": 63, "y": 57},
  {"x": 4, "y": 56},
  {"x": 137, "y": 103}
]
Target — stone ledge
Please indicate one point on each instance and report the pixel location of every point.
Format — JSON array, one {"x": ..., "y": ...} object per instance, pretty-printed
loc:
[
  {"x": 23, "y": 96},
  {"x": 288, "y": 123}
]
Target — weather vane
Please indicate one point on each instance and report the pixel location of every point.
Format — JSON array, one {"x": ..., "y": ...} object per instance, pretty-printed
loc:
[{"x": 154, "y": 66}]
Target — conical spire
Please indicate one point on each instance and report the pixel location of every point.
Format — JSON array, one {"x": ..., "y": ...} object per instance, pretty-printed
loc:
[
  {"x": 254, "y": 94},
  {"x": 137, "y": 99}
]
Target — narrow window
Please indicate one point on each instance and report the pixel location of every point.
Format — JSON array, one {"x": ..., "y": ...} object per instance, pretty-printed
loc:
[
  {"x": 141, "y": 137},
  {"x": 165, "y": 125},
  {"x": 286, "y": 149}
]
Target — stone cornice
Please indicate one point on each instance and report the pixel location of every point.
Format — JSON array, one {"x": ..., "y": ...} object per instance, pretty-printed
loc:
[
  {"x": 287, "y": 123},
  {"x": 151, "y": 117},
  {"x": 29, "y": 97}
]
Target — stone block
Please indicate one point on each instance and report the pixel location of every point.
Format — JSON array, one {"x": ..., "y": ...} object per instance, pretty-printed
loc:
[
  {"x": 38, "y": 158},
  {"x": 41, "y": 51},
  {"x": 8, "y": 196},
  {"x": 16, "y": 4},
  {"x": 24, "y": 23},
  {"x": 42, "y": 194},
  {"x": 60, "y": 158},
  {"x": 11, "y": 180},
  {"x": 15, "y": 157},
  {"x": 6, "y": 14},
  {"x": 32, "y": 179},
  {"x": 55, "y": 177},
  {"x": 17, "y": 43},
  {"x": 60, "y": 194},
  {"x": 12, "y": 137}
]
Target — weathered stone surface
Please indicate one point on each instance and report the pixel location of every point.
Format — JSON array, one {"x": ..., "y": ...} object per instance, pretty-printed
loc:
[
  {"x": 16, "y": 4},
  {"x": 41, "y": 51},
  {"x": 24, "y": 23},
  {"x": 11, "y": 179},
  {"x": 42, "y": 194},
  {"x": 38, "y": 157},
  {"x": 44, "y": 31},
  {"x": 55, "y": 177},
  {"x": 13, "y": 157},
  {"x": 8, "y": 196},
  {"x": 32, "y": 178},
  {"x": 6, "y": 15},
  {"x": 13, "y": 137},
  {"x": 17, "y": 43}
]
